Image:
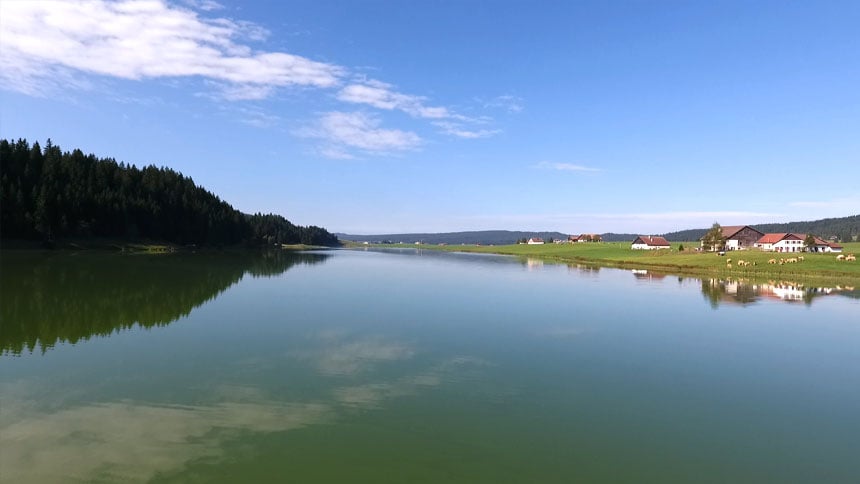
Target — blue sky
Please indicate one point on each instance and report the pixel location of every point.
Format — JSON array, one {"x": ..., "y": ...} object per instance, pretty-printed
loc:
[{"x": 373, "y": 117}]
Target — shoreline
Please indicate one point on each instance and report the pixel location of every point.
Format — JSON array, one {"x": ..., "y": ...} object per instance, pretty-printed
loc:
[{"x": 707, "y": 265}]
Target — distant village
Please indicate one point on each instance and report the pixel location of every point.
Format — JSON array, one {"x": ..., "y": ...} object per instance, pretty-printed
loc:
[{"x": 734, "y": 237}]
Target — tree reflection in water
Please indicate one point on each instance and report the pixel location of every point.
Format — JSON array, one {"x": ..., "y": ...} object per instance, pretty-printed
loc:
[{"x": 63, "y": 297}]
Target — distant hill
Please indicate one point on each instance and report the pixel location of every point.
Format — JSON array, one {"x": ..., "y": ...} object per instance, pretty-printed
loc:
[
  {"x": 613, "y": 237},
  {"x": 485, "y": 237},
  {"x": 844, "y": 228}
]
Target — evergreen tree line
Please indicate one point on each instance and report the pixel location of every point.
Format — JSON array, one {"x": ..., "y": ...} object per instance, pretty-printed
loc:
[{"x": 47, "y": 194}]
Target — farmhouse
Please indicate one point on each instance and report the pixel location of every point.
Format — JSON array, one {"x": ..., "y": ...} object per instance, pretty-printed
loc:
[
  {"x": 822, "y": 245},
  {"x": 782, "y": 242},
  {"x": 585, "y": 238},
  {"x": 739, "y": 237},
  {"x": 535, "y": 241},
  {"x": 648, "y": 242},
  {"x": 787, "y": 242}
]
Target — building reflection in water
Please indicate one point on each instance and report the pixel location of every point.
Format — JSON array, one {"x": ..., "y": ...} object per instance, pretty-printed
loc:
[{"x": 743, "y": 292}]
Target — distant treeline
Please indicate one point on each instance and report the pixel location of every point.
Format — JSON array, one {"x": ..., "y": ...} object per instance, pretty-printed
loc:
[
  {"x": 845, "y": 229},
  {"x": 485, "y": 237},
  {"x": 48, "y": 194}
]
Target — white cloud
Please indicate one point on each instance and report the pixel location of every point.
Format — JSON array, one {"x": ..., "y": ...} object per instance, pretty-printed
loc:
[
  {"x": 457, "y": 129},
  {"x": 564, "y": 166},
  {"x": 53, "y": 46},
  {"x": 382, "y": 96},
  {"x": 144, "y": 39},
  {"x": 361, "y": 131}
]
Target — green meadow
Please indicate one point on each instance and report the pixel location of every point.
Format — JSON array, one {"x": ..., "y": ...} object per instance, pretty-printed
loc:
[{"x": 619, "y": 254}]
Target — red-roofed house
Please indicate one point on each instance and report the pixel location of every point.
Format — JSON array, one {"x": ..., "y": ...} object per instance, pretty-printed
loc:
[
  {"x": 535, "y": 241},
  {"x": 647, "y": 242},
  {"x": 781, "y": 242},
  {"x": 585, "y": 238},
  {"x": 784, "y": 242}
]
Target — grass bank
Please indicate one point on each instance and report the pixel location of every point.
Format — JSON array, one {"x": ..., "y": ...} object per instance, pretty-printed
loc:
[{"x": 688, "y": 262}]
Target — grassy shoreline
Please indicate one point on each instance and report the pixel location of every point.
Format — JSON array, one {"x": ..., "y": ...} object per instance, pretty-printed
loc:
[{"x": 817, "y": 267}]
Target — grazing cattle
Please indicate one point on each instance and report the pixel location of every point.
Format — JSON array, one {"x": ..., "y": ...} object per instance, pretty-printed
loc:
[
  {"x": 850, "y": 258},
  {"x": 729, "y": 260},
  {"x": 840, "y": 257},
  {"x": 800, "y": 258},
  {"x": 728, "y": 266},
  {"x": 772, "y": 261}
]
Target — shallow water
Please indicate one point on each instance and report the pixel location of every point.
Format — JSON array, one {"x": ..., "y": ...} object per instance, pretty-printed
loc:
[{"x": 408, "y": 366}]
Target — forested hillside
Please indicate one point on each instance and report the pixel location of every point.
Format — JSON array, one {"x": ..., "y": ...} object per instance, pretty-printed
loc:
[
  {"x": 845, "y": 229},
  {"x": 47, "y": 194}
]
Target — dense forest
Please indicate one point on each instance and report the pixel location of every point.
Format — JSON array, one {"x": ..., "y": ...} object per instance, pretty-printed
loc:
[{"x": 47, "y": 194}]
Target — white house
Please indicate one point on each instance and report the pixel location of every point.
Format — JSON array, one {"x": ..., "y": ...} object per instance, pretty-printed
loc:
[
  {"x": 822, "y": 245},
  {"x": 781, "y": 242},
  {"x": 786, "y": 242},
  {"x": 535, "y": 241},
  {"x": 648, "y": 242}
]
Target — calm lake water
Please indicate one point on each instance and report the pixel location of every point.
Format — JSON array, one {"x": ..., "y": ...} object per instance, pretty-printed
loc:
[{"x": 406, "y": 366}]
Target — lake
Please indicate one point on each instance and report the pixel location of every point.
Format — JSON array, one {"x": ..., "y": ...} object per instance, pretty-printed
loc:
[{"x": 418, "y": 366}]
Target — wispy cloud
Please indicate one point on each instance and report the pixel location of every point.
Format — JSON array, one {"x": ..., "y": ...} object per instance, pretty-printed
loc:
[
  {"x": 144, "y": 39},
  {"x": 205, "y": 5},
  {"x": 358, "y": 130},
  {"x": 254, "y": 116},
  {"x": 510, "y": 103},
  {"x": 548, "y": 165},
  {"x": 458, "y": 130},
  {"x": 335, "y": 153},
  {"x": 383, "y": 96}
]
